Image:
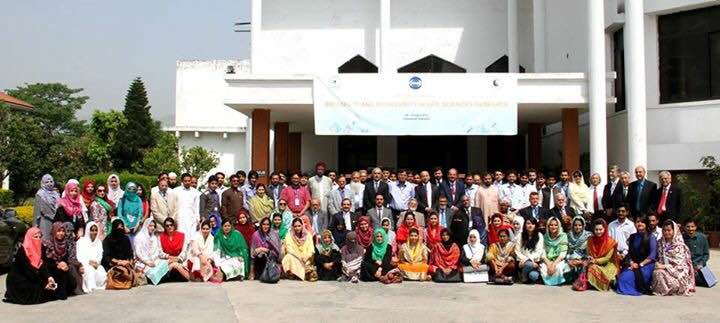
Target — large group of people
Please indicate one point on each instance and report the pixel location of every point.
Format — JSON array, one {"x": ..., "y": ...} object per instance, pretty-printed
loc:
[{"x": 382, "y": 225}]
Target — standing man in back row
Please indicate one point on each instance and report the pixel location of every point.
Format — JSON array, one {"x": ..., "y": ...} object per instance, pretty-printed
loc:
[
  {"x": 320, "y": 185},
  {"x": 373, "y": 187},
  {"x": 640, "y": 193}
]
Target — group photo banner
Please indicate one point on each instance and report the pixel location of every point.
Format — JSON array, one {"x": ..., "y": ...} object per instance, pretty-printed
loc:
[{"x": 415, "y": 105}]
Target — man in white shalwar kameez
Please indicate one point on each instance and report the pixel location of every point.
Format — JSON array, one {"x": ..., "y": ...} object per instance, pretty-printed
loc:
[
  {"x": 320, "y": 185},
  {"x": 188, "y": 206}
]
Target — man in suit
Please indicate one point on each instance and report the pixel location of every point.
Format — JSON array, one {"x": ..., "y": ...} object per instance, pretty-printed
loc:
[
  {"x": 426, "y": 193},
  {"x": 640, "y": 192},
  {"x": 438, "y": 176},
  {"x": 535, "y": 210},
  {"x": 667, "y": 198},
  {"x": 232, "y": 199},
  {"x": 210, "y": 199},
  {"x": 374, "y": 187},
  {"x": 612, "y": 191},
  {"x": 413, "y": 209},
  {"x": 476, "y": 219},
  {"x": 318, "y": 217},
  {"x": 379, "y": 212},
  {"x": 275, "y": 188},
  {"x": 596, "y": 196},
  {"x": 338, "y": 194},
  {"x": 163, "y": 204},
  {"x": 345, "y": 216},
  {"x": 444, "y": 212},
  {"x": 453, "y": 189},
  {"x": 548, "y": 192},
  {"x": 562, "y": 211}
]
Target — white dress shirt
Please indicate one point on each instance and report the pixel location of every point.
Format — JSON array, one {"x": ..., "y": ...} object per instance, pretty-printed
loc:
[{"x": 621, "y": 233}]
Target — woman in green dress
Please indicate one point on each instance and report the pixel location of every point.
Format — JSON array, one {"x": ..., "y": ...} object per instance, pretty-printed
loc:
[{"x": 231, "y": 252}]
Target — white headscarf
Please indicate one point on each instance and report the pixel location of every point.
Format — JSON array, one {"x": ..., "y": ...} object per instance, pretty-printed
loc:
[
  {"x": 117, "y": 193},
  {"x": 204, "y": 246},
  {"x": 515, "y": 236},
  {"x": 474, "y": 251},
  {"x": 88, "y": 249},
  {"x": 146, "y": 245}
]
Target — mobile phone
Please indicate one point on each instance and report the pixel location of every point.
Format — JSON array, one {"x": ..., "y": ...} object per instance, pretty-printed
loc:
[{"x": 53, "y": 286}]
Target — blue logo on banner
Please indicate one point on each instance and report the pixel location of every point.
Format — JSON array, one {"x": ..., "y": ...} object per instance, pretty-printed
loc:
[{"x": 415, "y": 83}]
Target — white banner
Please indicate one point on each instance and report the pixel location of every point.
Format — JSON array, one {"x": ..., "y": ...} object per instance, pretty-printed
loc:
[{"x": 422, "y": 104}]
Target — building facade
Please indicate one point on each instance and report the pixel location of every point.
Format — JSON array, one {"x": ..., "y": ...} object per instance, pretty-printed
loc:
[{"x": 618, "y": 82}]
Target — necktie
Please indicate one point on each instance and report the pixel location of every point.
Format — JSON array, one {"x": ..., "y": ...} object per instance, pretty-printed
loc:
[
  {"x": 342, "y": 194},
  {"x": 379, "y": 213},
  {"x": 663, "y": 200},
  {"x": 595, "y": 199},
  {"x": 452, "y": 191},
  {"x": 639, "y": 191},
  {"x": 376, "y": 187},
  {"x": 535, "y": 212}
]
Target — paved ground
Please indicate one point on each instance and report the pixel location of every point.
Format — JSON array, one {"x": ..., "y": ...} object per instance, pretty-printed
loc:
[{"x": 291, "y": 301}]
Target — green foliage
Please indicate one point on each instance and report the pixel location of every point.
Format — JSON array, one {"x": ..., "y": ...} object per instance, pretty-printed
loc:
[
  {"x": 140, "y": 131},
  {"x": 24, "y": 213},
  {"x": 104, "y": 129},
  {"x": 54, "y": 105},
  {"x": 161, "y": 158},
  {"x": 6, "y": 198},
  {"x": 198, "y": 161},
  {"x": 125, "y": 177},
  {"x": 703, "y": 206}
]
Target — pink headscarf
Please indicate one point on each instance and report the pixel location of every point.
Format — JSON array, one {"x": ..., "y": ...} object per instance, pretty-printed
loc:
[
  {"x": 33, "y": 247},
  {"x": 72, "y": 206}
]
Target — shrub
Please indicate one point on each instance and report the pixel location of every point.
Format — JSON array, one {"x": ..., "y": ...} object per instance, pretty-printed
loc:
[
  {"x": 25, "y": 214},
  {"x": 6, "y": 197},
  {"x": 145, "y": 180}
]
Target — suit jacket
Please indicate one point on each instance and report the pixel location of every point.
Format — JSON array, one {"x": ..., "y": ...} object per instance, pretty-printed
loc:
[
  {"x": 645, "y": 197},
  {"x": 672, "y": 202},
  {"x": 555, "y": 212},
  {"x": 546, "y": 196},
  {"x": 369, "y": 194},
  {"x": 338, "y": 217},
  {"x": 478, "y": 222},
  {"x": 610, "y": 200},
  {"x": 421, "y": 196},
  {"x": 335, "y": 200},
  {"x": 446, "y": 190},
  {"x": 527, "y": 212},
  {"x": 377, "y": 218},
  {"x": 208, "y": 205},
  {"x": 161, "y": 209},
  {"x": 271, "y": 193},
  {"x": 231, "y": 204},
  {"x": 323, "y": 220}
]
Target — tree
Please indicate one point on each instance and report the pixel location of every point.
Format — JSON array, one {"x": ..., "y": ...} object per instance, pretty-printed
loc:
[
  {"x": 141, "y": 130},
  {"x": 198, "y": 161},
  {"x": 21, "y": 153},
  {"x": 54, "y": 106},
  {"x": 105, "y": 127},
  {"x": 161, "y": 158}
]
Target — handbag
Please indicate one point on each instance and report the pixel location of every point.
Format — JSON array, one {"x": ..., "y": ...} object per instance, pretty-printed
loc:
[
  {"x": 120, "y": 277},
  {"x": 581, "y": 283},
  {"x": 271, "y": 273},
  {"x": 709, "y": 277}
]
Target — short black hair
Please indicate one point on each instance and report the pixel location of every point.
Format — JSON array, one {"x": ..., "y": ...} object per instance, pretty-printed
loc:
[
  {"x": 185, "y": 175},
  {"x": 212, "y": 178},
  {"x": 220, "y": 173},
  {"x": 233, "y": 176},
  {"x": 241, "y": 173},
  {"x": 252, "y": 173},
  {"x": 690, "y": 221},
  {"x": 162, "y": 174}
]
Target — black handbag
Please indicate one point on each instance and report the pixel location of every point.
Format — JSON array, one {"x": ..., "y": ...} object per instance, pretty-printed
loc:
[{"x": 271, "y": 272}]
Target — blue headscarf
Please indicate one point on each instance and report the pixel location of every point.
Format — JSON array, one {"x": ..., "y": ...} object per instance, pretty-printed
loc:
[{"x": 130, "y": 208}]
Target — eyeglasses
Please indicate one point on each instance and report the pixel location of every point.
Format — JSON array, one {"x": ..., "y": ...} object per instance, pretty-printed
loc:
[
  {"x": 100, "y": 191},
  {"x": 282, "y": 203}
]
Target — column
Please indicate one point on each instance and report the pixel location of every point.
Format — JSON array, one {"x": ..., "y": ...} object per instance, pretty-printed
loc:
[
  {"x": 539, "y": 39},
  {"x": 634, "y": 33},
  {"x": 570, "y": 140},
  {"x": 282, "y": 130},
  {"x": 512, "y": 36},
  {"x": 261, "y": 143},
  {"x": 294, "y": 151},
  {"x": 597, "y": 96},
  {"x": 534, "y": 144},
  {"x": 385, "y": 66}
]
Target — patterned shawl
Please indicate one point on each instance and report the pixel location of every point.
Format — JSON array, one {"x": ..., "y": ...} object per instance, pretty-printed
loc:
[{"x": 48, "y": 195}]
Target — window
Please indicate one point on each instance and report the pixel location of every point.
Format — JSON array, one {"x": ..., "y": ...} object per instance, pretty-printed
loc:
[
  {"x": 619, "y": 66},
  {"x": 357, "y": 64},
  {"x": 356, "y": 152},
  {"x": 690, "y": 55},
  {"x": 500, "y": 65},
  {"x": 431, "y": 64}
]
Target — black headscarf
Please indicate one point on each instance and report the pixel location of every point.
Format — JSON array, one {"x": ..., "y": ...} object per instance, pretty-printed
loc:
[
  {"x": 117, "y": 244},
  {"x": 447, "y": 244}
]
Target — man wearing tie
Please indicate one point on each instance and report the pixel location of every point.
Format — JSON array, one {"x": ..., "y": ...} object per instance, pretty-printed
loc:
[
  {"x": 374, "y": 187},
  {"x": 275, "y": 188},
  {"x": 641, "y": 192},
  {"x": 318, "y": 217},
  {"x": 346, "y": 216},
  {"x": 667, "y": 198},
  {"x": 338, "y": 194},
  {"x": 401, "y": 192},
  {"x": 444, "y": 213},
  {"x": 612, "y": 194},
  {"x": 562, "y": 211},
  {"x": 426, "y": 193},
  {"x": 535, "y": 210},
  {"x": 453, "y": 189},
  {"x": 437, "y": 176},
  {"x": 596, "y": 196},
  {"x": 379, "y": 212}
]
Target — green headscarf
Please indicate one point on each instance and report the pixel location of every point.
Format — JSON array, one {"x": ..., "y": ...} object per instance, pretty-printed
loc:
[
  {"x": 130, "y": 208},
  {"x": 554, "y": 247},
  {"x": 233, "y": 245},
  {"x": 379, "y": 248},
  {"x": 282, "y": 231}
]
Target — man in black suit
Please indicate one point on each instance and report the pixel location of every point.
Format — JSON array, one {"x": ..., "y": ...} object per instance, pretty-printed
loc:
[
  {"x": 421, "y": 193},
  {"x": 374, "y": 187},
  {"x": 535, "y": 210},
  {"x": 453, "y": 189},
  {"x": 437, "y": 176},
  {"x": 563, "y": 212},
  {"x": 345, "y": 216},
  {"x": 667, "y": 198},
  {"x": 548, "y": 199},
  {"x": 612, "y": 193},
  {"x": 640, "y": 192}
]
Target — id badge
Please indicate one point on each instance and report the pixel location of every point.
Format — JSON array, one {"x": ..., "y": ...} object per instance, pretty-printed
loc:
[{"x": 297, "y": 201}]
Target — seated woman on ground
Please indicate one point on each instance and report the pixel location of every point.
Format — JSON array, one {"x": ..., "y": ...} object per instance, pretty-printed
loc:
[
  {"x": 445, "y": 260},
  {"x": 201, "y": 253},
  {"x": 385, "y": 225},
  {"x": 174, "y": 245},
  {"x": 553, "y": 266},
  {"x": 149, "y": 257},
  {"x": 674, "y": 274},
  {"x": 117, "y": 251},
  {"x": 60, "y": 255},
  {"x": 497, "y": 224},
  {"x": 432, "y": 233},
  {"x": 299, "y": 262},
  {"x": 403, "y": 230},
  {"x": 327, "y": 257},
  {"x": 265, "y": 246},
  {"x": 639, "y": 264},
  {"x": 577, "y": 248},
  {"x": 472, "y": 259},
  {"x": 364, "y": 232},
  {"x": 278, "y": 226},
  {"x": 530, "y": 252},
  {"x": 501, "y": 259},
  {"x": 29, "y": 281},
  {"x": 602, "y": 262},
  {"x": 89, "y": 254},
  {"x": 413, "y": 255},
  {"x": 352, "y": 257},
  {"x": 232, "y": 254},
  {"x": 377, "y": 262}
]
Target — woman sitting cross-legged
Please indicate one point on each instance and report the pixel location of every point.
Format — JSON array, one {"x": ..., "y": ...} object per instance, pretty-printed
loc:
[
  {"x": 60, "y": 255},
  {"x": 265, "y": 247},
  {"x": 327, "y": 257},
  {"x": 29, "y": 281},
  {"x": 149, "y": 257},
  {"x": 299, "y": 262},
  {"x": 377, "y": 263},
  {"x": 554, "y": 267},
  {"x": 577, "y": 248},
  {"x": 602, "y": 263},
  {"x": 232, "y": 255},
  {"x": 445, "y": 260},
  {"x": 89, "y": 254},
  {"x": 674, "y": 273},
  {"x": 352, "y": 257},
  {"x": 639, "y": 264},
  {"x": 473, "y": 259},
  {"x": 175, "y": 246},
  {"x": 530, "y": 252},
  {"x": 413, "y": 254},
  {"x": 118, "y": 257},
  {"x": 201, "y": 253},
  {"x": 501, "y": 259}
]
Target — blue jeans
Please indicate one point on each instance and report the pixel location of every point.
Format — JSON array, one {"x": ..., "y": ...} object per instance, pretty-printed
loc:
[{"x": 529, "y": 274}]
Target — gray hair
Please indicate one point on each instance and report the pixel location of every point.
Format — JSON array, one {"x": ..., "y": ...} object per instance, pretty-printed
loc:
[{"x": 665, "y": 173}]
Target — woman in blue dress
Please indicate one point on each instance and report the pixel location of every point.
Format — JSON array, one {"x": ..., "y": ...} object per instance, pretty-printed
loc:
[{"x": 638, "y": 265}]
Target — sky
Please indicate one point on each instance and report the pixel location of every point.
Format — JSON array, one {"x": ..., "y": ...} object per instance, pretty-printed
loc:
[{"x": 101, "y": 46}]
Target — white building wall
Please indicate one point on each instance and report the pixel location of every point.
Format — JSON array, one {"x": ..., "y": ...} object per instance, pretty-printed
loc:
[{"x": 231, "y": 150}]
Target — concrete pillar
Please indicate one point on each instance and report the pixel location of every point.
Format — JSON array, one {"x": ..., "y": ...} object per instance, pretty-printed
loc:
[
  {"x": 597, "y": 88},
  {"x": 261, "y": 143},
  {"x": 385, "y": 66},
  {"x": 634, "y": 33},
  {"x": 539, "y": 38},
  {"x": 534, "y": 145},
  {"x": 255, "y": 30},
  {"x": 294, "y": 151},
  {"x": 282, "y": 130},
  {"x": 570, "y": 139},
  {"x": 512, "y": 36}
]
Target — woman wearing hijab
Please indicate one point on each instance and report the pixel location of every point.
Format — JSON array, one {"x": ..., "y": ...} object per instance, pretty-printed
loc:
[
  {"x": 377, "y": 262},
  {"x": 445, "y": 260},
  {"x": 298, "y": 261},
  {"x": 413, "y": 255},
  {"x": 89, "y": 254},
  {"x": 517, "y": 226},
  {"x": 260, "y": 205},
  {"x": 339, "y": 233},
  {"x": 364, "y": 232},
  {"x": 385, "y": 224},
  {"x": 351, "y": 256},
  {"x": 29, "y": 280},
  {"x": 130, "y": 209},
  {"x": 278, "y": 226},
  {"x": 174, "y": 245},
  {"x": 639, "y": 264},
  {"x": 553, "y": 266},
  {"x": 117, "y": 252},
  {"x": 285, "y": 213},
  {"x": 530, "y": 252},
  {"x": 579, "y": 198},
  {"x": 61, "y": 260},
  {"x": 92, "y": 209},
  {"x": 432, "y": 233},
  {"x": 501, "y": 259},
  {"x": 232, "y": 255},
  {"x": 403, "y": 231},
  {"x": 115, "y": 192},
  {"x": 459, "y": 227},
  {"x": 327, "y": 258},
  {"x": 674, "y": 273},
  {"x": 265, "y": 246},
  {"x": 108, "y": 209},
  {"x": 45, "y": 207},
  {"x": 602, "y": 263},
  {"x": 472, "y": 259},
  {"x": 149, "y": 257},
  {"x": 202, "y": 250},
  {"x": 496, "y": 224},
  {"x": 245, "y": 227},
  {"x": 70, "y": 208},
  {"x": 577, "y": 248}
]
